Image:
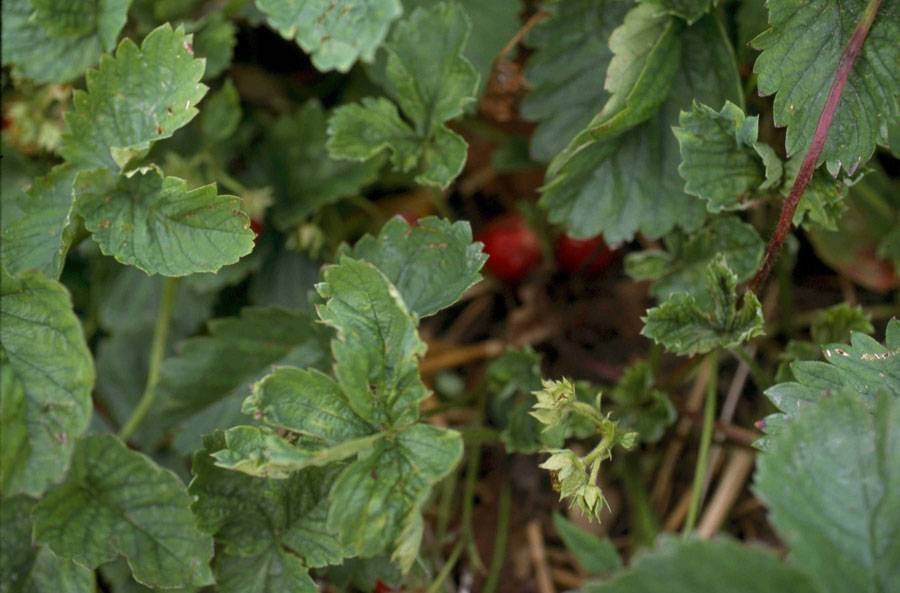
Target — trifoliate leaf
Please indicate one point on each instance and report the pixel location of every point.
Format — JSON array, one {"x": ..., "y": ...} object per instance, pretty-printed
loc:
[
  {"x": 132, "y": 100},
  {"x": 46, "y": 382},
  {"x": 214, "y": 41},
  {"x": 57, "y": 40},
  {"x": 645, "y": 59},
  {"x": 260, "y": 523},
  {"x": 304, "y": 177},
  {"x": 570, "y": 52},
  {"x": 682, "y": 268},
  {"x": 722, "y": 162},
  {"x": 619, "y": 186},
  {"x": 203, "y": 385},
  {"x": 596, "y": 556},
  {"x": 831, "y": 481},
  {"x": 431, "y": 82},
  {"x": 375, "y": 496},
  {"x": 685, "y": 326},
  {"x": 640, "y": 406},
  {"x": 221, "y": 113},
  {"x": 800, "y": 54},
  {"x": 863, "y": 367},
  {"x": 156, "y": 224},
  {"x": 118, "y": 502},
  {"x": 822, "y": 204},
  {"x": 430, "y": 263},
  {"x": 377, "y": 347},
  {"x": 838, "y": 323},
  {"x": 41, "y": 237},
  {"x": 714, "y": 566},
  {"x": 336, "y": 33},
  {"x": 367, "y": 412},
  {"x": 27, "y": 569}
]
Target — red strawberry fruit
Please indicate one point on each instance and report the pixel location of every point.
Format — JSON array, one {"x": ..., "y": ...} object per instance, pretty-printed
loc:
[{"x": 513, "y": 249}]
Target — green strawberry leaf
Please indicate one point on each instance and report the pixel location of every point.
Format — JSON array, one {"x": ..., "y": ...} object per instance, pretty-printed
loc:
[
  {"x": 376, "y": 497},
  {"x": 40, "y": 239},
  {"x": 720, "y": 565},
  {"x": 45, "y": 382},
  {"x": 722, "y": 162},
  {"x": 322, "y": 414},
  {"x": 683, "y": 325},
  {"x": 132, "y": 100},
  {"x": 830, "y": 478},
  {"x": 822, "y": 205},
  {"x": 214, "y": 41},
  {"x": 366, "y": 414},
  {"x": 118, "y": 502},
  {"x": 863, "y": 367},
  {"x": 617, "y": 186},
  {"x": 377, "y": 347},
  {"x": 646, "y": 55},
  {"x": 570, "y": 50},
  {"x": 25, "y": 568},
  {"x": 203, "y": 385},
  {"x": 596, "y": 556},
  {"x": 493, "y": 25},
  {"x": 839, "y": 322},
  {"x": 641, "y": 407},
  {"x": 800, "y": 54},
  {"x": 221, "y": 114},
  {"x": 683, "y": 266},
  {"x": 430, "y": 81},
  {"x": 259, "y": 524},
  {"x": 57, "y": 40},
  {"x": 305, "y": 178},
  {"x": 156, "y": 224},
  {"x": 430, "y": 263},
  {"x": 273, "y": 571},
  {"x": 336, "y": 33},
  {"x": 510, "y": 380}
]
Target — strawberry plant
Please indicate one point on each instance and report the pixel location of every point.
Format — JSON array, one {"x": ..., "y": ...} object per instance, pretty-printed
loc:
[{"x": 278, "y": 312}]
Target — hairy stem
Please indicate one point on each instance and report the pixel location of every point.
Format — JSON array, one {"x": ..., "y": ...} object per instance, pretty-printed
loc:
[
  {"x": 709, "y": 417},
  {"x": 157, "y": 351},
  {"x": 808, "y": 166}
]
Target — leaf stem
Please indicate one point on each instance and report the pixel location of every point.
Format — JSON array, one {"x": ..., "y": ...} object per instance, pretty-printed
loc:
[
  {"x": 709, "y": 416},
  {"x": 811, "y": 160},
  {"x": 498, "y": 554},
  {"x": 447, "y": 568},
  {"x": 157, "y": 351}
]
